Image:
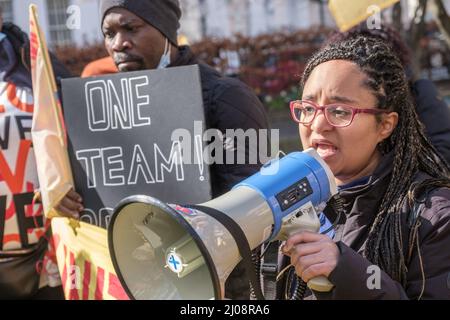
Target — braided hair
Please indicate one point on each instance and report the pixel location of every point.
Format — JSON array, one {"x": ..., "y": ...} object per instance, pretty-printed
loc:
[
  {"x": 386, "y": 33},
  {"x": 412, "y": 150}
]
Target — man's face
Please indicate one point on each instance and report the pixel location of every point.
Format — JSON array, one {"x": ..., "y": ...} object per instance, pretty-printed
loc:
[{"x": 131, "y": 42}]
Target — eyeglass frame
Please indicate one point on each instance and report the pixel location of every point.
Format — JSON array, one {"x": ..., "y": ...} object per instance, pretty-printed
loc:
[{"x": 318, "y": 107}]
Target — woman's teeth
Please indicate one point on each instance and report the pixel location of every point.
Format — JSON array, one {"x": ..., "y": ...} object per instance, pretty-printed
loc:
[{"x": 326, "y": 150}]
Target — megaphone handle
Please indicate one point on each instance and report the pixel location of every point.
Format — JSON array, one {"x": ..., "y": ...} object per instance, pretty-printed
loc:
[{"x": 320, "y": 284}]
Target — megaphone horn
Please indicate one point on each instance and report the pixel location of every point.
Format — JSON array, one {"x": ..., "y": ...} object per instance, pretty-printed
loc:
[{"x": 169, "y": 251}]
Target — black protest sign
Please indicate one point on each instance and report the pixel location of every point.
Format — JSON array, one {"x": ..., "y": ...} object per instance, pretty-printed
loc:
[{"x": 121, "y": 138}]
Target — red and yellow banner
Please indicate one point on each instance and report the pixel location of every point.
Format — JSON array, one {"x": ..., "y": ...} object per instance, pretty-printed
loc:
[{"x": 83, "y": 259}]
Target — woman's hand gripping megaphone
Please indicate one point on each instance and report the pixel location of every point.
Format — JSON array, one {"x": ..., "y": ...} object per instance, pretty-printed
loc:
[{"x": 313, "y": 255}]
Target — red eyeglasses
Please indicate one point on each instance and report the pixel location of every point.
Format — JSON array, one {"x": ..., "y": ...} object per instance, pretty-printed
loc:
[{"x": 338, "y": 115}]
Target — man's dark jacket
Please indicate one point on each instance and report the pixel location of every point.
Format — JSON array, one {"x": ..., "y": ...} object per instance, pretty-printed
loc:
[
  {"x": 228, "y": 104},
  {"x": 434, "y": 113}
]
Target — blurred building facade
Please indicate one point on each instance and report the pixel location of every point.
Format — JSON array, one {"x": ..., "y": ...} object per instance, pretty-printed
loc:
[
  {"x": 77, "y": 21},
  {"x": 224, "y": 18},
  {"x": 63, "y": 21}
]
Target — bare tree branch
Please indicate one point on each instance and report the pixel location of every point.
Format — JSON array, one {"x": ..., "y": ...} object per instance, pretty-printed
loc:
[
  {"x": 442, "y": 19},
  {"x": 397, "y": 17},
  {"x": 416, "y": 32}
]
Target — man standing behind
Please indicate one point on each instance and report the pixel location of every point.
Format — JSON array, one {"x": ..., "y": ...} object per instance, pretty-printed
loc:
[{"x": 141, "y": 35}]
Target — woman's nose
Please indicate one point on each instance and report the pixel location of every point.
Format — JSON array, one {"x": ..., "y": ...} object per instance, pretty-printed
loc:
[{"x": 320, "y": 123}]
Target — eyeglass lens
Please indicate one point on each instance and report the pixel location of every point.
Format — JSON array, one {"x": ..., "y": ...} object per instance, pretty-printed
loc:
[{"x": 337, "y": 115}]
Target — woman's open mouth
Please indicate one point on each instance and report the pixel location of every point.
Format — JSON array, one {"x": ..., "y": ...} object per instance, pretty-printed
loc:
[{"x": 324, "y": 148}]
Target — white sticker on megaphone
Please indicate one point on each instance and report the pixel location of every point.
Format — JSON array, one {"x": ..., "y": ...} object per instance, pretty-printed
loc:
[{"x": 174, "y": 262}]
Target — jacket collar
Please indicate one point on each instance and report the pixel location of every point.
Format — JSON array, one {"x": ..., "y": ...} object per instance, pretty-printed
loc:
[
  {"x": 383, "y": 169},
  {"x": 366, "y": 196},
  {"x": 185, "y": 57}
]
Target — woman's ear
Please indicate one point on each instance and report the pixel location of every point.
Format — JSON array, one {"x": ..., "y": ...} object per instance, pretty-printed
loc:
[{"x": 387, "y": 125}]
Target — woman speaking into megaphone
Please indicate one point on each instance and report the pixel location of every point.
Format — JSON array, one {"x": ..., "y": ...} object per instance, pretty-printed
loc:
[{"x": 392, "y": 242}]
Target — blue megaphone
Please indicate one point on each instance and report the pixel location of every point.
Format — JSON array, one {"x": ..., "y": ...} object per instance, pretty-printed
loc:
[{"x": 171, "y": 251}]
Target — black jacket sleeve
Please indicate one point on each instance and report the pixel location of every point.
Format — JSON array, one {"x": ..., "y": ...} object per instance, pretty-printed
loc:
[
  {"x": 434, "y": 114},
  {"x": 428, "y": 271},
  {"x": 235, "y": 106},
  {"x": 355, "y": 278}
]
